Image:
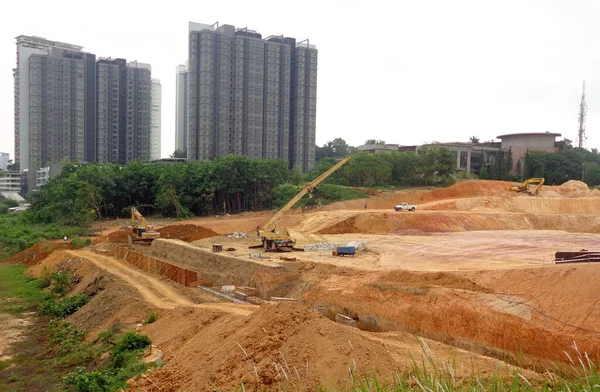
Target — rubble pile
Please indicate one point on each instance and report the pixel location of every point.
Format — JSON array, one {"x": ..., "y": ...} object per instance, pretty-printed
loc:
[{"x": 322, "y": 247}]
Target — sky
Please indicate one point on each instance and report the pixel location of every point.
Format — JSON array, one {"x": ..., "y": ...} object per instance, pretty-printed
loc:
[{"x": 407, "y": 72}]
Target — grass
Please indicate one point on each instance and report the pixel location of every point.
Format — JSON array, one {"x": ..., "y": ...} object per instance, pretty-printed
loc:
[
  {"x": 54, "y": 356},
  {"x": 17, "y": 234},
  {"x": 19, "y": 292}
]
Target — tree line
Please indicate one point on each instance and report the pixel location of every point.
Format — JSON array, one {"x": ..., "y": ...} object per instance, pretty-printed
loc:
[{"x": 230, "y": 184}]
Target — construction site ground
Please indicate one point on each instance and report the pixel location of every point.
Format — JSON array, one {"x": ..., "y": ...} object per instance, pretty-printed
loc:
[{"x": 469, "y": 278}]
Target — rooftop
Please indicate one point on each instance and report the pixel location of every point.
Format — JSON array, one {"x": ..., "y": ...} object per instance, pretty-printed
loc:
[{"x": 529, "y": 134}]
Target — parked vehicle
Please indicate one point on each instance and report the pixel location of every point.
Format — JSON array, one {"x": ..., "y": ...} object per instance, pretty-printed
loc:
[
  {"x": 344, "y": 251},
  {"x": 405, "y": 207}
]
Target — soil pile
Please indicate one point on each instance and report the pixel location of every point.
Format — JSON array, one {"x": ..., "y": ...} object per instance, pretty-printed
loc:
[
  {"x": 372, "y": 223},
  {"x": 574, "y": 186},
  {"x": 281, "y": 345},
  {"x": 37, "y": 253},
  {"x": 468, "y": 189},
  {"x": 430, "y": 280},
  {"x": 119, "y": 237},
  {"x": 186, "y": 232}
]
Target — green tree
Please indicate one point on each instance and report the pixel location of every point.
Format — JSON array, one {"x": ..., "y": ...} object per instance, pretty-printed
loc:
[
  {"x": 179, "y": 153},
  {"x": 592, "y": 174},
  {"x": 474, "y": 140},
  {"x": 436, "y": 164},
  {"x": 519, "y": 168},
  {"x": 509, "y": 162}
]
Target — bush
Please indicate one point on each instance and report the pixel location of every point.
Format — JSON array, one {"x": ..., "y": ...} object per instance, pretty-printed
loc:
[
  {"x": 152, "y": 317},
  {"x": 132, "y": 341},
  {"x": 61, "y": 282},
  {"x": 63, "y": 307},
  {"x": 45, "y": 279},
  {"x": 95, "y": 381},
  {"x": 80, "y": 242}
]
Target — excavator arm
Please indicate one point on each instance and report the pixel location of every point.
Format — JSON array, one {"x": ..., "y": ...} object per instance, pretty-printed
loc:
[
  {"x": 135, "y": 214},
  {"x": 272, "y": 222},
  {"x": 524, "y": 187},
  {"x": 280, "y": 240}
]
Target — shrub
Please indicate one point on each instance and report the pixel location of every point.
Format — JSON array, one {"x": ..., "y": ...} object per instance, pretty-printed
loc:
[
  {"x": 152, "y": 317},
  {"x": 80, "y": 242},
  {"x": 61, "y": 282},
  {"x": 63, "y": 307},
  {"x": 94, "y": 381},
  {"x": 45, "y": 279}
]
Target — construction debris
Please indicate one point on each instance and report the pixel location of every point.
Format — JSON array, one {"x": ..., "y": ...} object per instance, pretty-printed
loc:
[
  {"x": 287, "y": 258},
  {"x": 322, "y": 247},
  {"x": 238, "y": 235}
]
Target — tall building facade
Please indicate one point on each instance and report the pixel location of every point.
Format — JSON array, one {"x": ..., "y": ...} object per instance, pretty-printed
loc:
[
  {"x": 54, "y": 102},
  {"x": 111, "y": 109},
  {"x": 139, "y": 109},
  {"x": 251, "y": 96},
  {"x": 67, "y": 105},
  {"x": 4, "y": 160},
  {"x": 155, "y": 119},
  {"x": 181, "y": 108}
]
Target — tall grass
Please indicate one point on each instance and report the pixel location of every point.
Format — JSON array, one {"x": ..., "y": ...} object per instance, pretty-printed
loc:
[{"x": 429, "y": 375}]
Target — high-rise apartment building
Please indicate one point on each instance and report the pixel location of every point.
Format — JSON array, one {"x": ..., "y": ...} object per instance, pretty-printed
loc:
[
  {"x": 181, "y": 108},
  {"x": 139, "y": 99},
  {"x": 54, "y": 102},
  {"x": 111, "y": 110},
  {"x": 4, "y": 160},
  {"x": 155, "y": 118},
  {"x": 67, "y": 105},
  {"x": 251, "y": 96},
  {"x": 123, "y": 99}
]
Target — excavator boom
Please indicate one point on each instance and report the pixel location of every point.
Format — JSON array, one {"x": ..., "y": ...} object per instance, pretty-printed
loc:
[
  {"x": 280, "y": 240},
  {"x": 524, "y": 187},
  {"x": 272, "y": 222}
]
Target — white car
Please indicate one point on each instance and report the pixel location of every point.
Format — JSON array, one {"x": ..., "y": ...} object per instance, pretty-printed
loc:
[{"x": 405, "y": 207}]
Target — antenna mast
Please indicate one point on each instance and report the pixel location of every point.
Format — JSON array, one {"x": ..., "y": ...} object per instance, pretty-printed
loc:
[{"x": 582, "y": 116}]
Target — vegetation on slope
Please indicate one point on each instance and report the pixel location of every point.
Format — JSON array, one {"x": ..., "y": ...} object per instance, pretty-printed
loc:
[{"x": 54, "y": 354}]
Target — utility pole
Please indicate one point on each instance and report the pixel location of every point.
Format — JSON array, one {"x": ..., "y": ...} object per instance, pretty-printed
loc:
[{"x": 582, "y": 116}]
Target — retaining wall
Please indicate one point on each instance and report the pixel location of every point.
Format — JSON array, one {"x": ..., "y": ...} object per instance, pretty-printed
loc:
[
  {"x": 217, "y": 270},
  {"x": 154, "y": 266}
]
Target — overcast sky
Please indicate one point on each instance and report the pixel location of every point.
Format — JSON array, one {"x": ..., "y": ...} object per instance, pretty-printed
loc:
[{"x": 406, "y": 72}]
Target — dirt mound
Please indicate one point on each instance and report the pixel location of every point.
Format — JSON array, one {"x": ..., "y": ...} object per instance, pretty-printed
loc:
[
  {"x": 37, "y": 253},
  {"x": 574, "y": 186},
  {"x": 426, "y": 281},
  {"x": 371, "y": 223},
  {"x": 281, "y": 345},
  {"x": 186, "y": 232},
  {"x": 468, "y": 189},
  {"x": 119, "y": 236}
]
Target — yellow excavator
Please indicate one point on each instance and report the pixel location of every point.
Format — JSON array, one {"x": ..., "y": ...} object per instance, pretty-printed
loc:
[
  {"x": 141, "y": 229},
  {"x": 274, "y": 240},
  {"x": 524, "y": 187}
]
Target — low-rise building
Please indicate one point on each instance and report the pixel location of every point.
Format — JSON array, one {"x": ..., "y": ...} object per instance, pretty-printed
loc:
[
  {"x": 10, "y": 182},
  {"x": 520, "y": 143},
  {"x": 470, "y": 157}
]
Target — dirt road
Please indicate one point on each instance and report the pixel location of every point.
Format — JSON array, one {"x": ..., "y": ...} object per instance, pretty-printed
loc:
[{"x": 152, "y": 289}]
